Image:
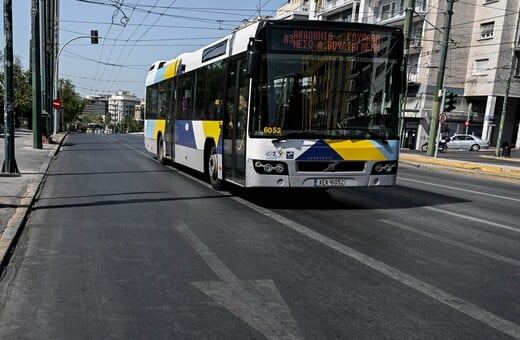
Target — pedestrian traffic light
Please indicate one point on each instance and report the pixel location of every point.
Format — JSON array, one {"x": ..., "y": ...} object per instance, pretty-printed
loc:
[
  {"x": 449, "y": 101},
  {"x": 93, "y": 37}
]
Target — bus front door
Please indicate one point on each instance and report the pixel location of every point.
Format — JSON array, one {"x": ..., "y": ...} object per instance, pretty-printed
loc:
[{"x": 235, "y": 118}]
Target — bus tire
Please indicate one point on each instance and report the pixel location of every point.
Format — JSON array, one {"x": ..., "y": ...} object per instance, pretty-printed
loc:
[
  {"x": 160, "y": 150},
  {"x": 212, "y": 168}
]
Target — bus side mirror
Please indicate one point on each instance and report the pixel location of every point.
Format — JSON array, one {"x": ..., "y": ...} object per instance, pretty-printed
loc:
[{"x": 253, "y": 63}]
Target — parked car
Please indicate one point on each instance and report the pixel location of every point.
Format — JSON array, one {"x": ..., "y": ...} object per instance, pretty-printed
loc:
[{"x": 467, "y": 142}]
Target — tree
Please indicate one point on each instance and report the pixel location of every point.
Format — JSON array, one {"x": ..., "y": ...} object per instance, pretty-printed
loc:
[
  {"x": 22, "y": 84},
  {"x": 71, "y": 102},
  {"x": 130, "y": 124}
]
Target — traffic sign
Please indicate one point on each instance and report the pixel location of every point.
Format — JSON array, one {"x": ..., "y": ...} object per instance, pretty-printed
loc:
[
  {"x": 56, "y": 103},
  {"x": 443, "y": 117}
]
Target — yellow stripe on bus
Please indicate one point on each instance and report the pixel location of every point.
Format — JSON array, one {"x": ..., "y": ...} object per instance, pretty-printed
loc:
[
  {"x": 356, "y": 150},
  {"x": 171, "y": 69},
  {"x": 212, "y": 129},
  {"x": 159, "y": 127}
]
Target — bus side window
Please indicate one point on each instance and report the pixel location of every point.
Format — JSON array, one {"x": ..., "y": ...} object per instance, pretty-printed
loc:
[
  {"x": 229, "y": 104},
  {"x": 200, "y": 94},
  {"x": 214, "y": 93},
  {"x": 186, "y": 93}
]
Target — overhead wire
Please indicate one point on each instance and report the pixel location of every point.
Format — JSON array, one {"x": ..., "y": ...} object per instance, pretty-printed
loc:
[{"x": 113, "y": 66}]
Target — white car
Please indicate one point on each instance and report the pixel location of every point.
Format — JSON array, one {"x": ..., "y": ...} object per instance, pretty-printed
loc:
[{"x": 467, "y": 142}]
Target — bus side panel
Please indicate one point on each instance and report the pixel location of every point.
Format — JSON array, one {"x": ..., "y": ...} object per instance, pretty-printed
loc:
[
  {"x": 152, "y": 128},
  {"x": 190, "y": 140}
]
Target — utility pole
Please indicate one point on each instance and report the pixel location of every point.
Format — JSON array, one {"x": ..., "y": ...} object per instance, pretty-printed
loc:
[
  {"x": 410, "y": 8},
  {"x": 434, "y": 122},
  {"x": 9, "y": 164},
  {"x": 49, "y": 33},
  {"x": 508, "y": 86},
  {"x": 36, "y": 76}
]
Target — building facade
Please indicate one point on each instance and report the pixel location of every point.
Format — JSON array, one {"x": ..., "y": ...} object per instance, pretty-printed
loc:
[
  {"x": 481, "y": 67},
  {"x": 121, "y": 105},
  {"x": 96, "y": 105}
]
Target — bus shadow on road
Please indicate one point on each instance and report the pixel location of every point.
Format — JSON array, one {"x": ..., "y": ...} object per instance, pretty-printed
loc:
[{"x": 397, "y": 197}]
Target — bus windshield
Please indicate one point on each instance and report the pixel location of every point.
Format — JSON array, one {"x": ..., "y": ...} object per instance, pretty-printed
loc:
[{"x": 317, "y": 95}]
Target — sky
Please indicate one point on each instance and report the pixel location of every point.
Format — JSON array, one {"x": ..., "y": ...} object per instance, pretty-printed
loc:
[{"x": 132, "y": 35}]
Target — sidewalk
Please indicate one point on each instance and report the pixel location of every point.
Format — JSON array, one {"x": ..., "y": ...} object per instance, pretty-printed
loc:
[
  {"x": 17, "y": 192},
  {"x": 487, "y": 165}
]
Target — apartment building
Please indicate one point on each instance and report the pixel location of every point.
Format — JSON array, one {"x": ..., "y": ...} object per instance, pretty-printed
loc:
[
  {"x": 96, "y": 104},
  {"x": 121, "y": 105},
  {"x": 480, "y": 63}
]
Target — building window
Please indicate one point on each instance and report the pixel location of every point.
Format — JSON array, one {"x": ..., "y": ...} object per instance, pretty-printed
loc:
[
  {"x": 517, "y": 67},
  {"x": 391, "y": 9},
  {"x": 480, "y": 67},
  {"x": 345, "y": 16},
  {"x": 416, "y": 36},
  {"x": 486, "y": 30}
]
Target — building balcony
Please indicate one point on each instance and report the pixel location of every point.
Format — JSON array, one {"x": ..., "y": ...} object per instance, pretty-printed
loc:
[{"x": 329, "y": 5}]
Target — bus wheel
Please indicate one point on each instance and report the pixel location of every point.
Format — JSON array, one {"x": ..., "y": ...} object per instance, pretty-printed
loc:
[
  {"x": 160, "y": 150},
  {"x": 213, "y": 179}
]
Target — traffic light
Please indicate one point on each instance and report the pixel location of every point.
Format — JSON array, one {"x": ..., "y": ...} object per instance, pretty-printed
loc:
[
  {"x": 449, "y": 101},
  {"x": 93, "y": 37}
]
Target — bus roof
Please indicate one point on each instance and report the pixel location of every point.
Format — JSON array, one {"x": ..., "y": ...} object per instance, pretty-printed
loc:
[{"x": 232, "y": 44}]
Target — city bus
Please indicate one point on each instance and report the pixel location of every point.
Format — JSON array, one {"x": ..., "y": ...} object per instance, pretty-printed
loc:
[{"x": 282, "y": 104}]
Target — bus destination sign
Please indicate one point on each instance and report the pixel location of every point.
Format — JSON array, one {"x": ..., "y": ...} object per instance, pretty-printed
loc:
[{"x": 326, "y": 41}]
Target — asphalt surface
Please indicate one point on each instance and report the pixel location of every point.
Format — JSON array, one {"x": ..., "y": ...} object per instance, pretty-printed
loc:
[{"x": 18, "y": 191}]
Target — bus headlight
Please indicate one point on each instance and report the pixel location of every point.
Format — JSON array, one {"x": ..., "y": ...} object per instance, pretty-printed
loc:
[
  {"x": 384, "y": 168},
  {"x": 270, "y": 167}
]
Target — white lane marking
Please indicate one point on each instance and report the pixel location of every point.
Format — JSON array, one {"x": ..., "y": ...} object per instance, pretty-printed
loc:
[
  {"x": 454, "y": 243},
  {"x": 258, "y": 303},
  {"x": 463, "y": 306},
  {"x": 460, "y": 189},
  {"x": 475, "y": 219}
]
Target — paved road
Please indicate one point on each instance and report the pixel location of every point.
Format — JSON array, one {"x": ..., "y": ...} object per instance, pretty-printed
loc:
[
  {"x": 17, "y": 193},
  {"x": 118, "y": 246}
]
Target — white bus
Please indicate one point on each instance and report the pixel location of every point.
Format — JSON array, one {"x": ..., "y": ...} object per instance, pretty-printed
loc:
[{"x": 282, "y": 104}]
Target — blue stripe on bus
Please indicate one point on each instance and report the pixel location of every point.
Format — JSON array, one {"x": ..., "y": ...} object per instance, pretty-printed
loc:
[
  {"x": 159, "y": 75},
  {"x": 184, "y": 134},
  {"x": 320, "y": 151},
  {"x": 149, "y": 128}
]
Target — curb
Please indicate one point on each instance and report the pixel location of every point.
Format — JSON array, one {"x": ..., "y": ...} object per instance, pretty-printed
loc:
[{"x": 501, "y": 172}]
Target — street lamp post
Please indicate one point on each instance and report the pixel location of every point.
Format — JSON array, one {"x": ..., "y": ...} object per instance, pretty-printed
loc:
[{"x": 58, "y": 108}]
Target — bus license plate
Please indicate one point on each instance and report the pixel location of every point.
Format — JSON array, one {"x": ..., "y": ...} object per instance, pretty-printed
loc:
[{"x": 329, "y": 182}]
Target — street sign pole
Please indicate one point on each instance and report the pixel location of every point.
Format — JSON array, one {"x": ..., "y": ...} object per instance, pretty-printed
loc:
[
  {"x": 437, "y": 137},
  {"x": 467, "y": 118}
]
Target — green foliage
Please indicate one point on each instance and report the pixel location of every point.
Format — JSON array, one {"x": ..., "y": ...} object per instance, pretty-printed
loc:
[
  {"x": 71, "y": 102},
  {"x": 131, "y": 125},
  {"x": 80, "y": 121},
  {"x": 22, "y": 83}
]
